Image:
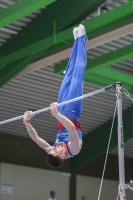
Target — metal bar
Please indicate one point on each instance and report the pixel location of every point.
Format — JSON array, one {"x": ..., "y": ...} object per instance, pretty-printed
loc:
[
  {"x": 61, "y": 104},
  {"x": 120, "y": 143}
]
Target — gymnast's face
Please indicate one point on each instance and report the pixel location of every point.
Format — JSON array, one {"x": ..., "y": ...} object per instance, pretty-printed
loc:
[{"x": 58, "y": 150}]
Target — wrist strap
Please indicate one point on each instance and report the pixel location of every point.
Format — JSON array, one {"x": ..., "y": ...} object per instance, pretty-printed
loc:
[
  {"x": 54, "y": 111},
  {"x": 26, "y": 121}
]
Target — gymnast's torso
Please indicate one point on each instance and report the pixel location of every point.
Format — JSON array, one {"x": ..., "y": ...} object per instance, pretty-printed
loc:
[{"x": 63, "y": 136}]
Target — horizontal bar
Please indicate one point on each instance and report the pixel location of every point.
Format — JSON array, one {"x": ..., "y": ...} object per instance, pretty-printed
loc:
[{"x": 61, "y": 104}]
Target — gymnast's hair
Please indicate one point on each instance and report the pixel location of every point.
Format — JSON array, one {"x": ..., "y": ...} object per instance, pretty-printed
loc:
[{"x": 54, "y": 161}]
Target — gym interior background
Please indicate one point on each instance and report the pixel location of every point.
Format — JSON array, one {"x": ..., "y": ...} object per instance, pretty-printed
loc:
[{"x": 35, "y": 44}]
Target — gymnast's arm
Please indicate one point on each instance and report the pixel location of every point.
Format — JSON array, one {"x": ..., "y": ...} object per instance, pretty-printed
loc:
[
  {"x": 75, "y": 143},
  {"x": 33, "y": 134}
]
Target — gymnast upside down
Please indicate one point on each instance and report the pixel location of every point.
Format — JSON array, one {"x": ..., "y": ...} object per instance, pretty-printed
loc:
[{"x": 68, "y": 141}]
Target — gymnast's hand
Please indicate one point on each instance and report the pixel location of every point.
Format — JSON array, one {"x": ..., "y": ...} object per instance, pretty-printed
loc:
[
  {"x": 53, "y": 108},
  {"x": 28, "y": 115}
]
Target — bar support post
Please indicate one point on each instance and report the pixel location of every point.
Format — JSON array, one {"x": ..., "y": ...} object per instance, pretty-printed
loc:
[{"x": 120, "y": 143}]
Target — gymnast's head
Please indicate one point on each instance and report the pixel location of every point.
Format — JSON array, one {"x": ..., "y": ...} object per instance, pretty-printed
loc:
[{"x": 57, "y": 156}]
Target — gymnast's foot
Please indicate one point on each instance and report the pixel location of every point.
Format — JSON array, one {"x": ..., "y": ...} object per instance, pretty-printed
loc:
[
  {"x": 75, "y": 33},
  {"x": 81, "y": 31}
]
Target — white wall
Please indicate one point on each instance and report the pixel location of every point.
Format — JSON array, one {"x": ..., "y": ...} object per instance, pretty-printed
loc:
[
  {"x": 33, "y": 184},
  {"x": 89, "y": 187}
]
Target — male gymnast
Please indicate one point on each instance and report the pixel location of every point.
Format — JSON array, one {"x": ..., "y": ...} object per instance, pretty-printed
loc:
[{"x": 68, "y": 141}]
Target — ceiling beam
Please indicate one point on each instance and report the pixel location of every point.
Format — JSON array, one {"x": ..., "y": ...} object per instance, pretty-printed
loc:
[
  {"x": 20, "y": 10},
  {"x": 97, "y": 73},
  {"x": 120, "y": 76},
  {"x": 45, "y": 27},
  {"x": 95, "y": 143},
  {"x": 94, "y": 26},
  {"x": 103, "y": 81},
  {"x": 101, "y": 62},
  {"x": 92, "y": 43},
  {"x": 99, "y": 79},
  {"x": 109, "y": 59},
  {"x": 6, "y": 73}
]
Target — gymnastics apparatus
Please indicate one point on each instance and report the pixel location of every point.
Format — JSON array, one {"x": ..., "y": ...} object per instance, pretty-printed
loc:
[{"x": 119, "y": 90}]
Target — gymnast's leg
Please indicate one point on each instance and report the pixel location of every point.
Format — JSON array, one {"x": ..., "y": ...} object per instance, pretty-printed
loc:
[{"x": 72, "y": 85}]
